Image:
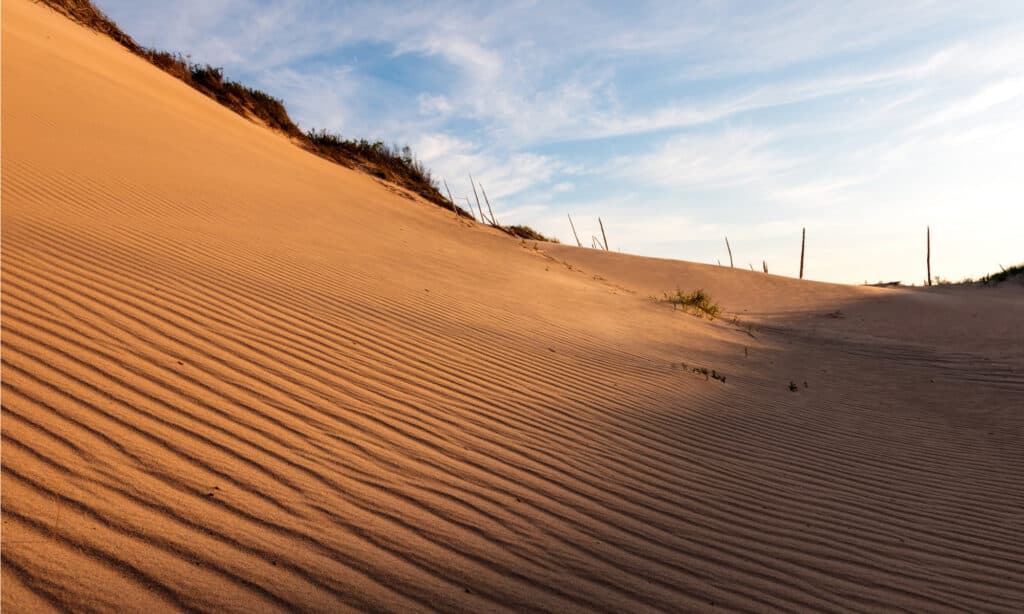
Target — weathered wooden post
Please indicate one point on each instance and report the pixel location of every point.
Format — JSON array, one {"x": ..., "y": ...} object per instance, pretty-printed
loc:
[
  {"x": 603, "y": 236},
  {"x": 730, "y": 252},
  {"x": 928, "y": 255},
  {"x": 494, "y": 220},
  {"x": 455, "y": 210},
  {"x": 477, "y": 196},
  {"x": 803, "y": 242},
  {"x": 573, "y": 226},
  {"x": 469, "y": 204}
]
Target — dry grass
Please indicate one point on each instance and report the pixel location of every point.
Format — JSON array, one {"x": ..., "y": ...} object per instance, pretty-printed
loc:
[
  {"x": 525, "y": 232},
  {"x": 698, "y": 302},
  {"x": 1015, "y": 271}
]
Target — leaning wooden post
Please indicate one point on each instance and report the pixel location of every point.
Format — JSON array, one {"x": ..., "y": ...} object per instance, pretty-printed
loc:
[
  {"x": 928, "y": 255},
  {"x": 803, "y": 242},
  {"x": 469, "y": 204},
  {"x": 764, "y": 265},
  {"x": 450, "y": 199},
  {"x": 730, "y": 252},
  {"x": 573, "y": 226},
  {"x": 604, "y": 236},
  {"x": 477, "y": 196},
  {"x": 487, "y": 200}
]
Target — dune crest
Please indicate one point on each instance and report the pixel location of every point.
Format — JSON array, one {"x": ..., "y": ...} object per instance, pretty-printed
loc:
[{"x": 237, "y": 377}]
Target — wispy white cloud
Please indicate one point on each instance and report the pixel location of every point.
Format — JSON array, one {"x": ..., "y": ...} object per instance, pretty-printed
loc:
[
  {"x": 502, "y": 174},
  {"x": 994, "y": 94},
  {"x": 732, "y": 157}
]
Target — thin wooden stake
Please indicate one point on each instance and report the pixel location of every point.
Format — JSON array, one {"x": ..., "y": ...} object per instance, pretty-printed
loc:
[
  {"x": 593, "y": 241},
  {"x": 928, "y": 256},
  {"x": 469, "y": 204},
  {"x": 455, "y": 209},
  {"x": 477, "y": 196},
  {"x": 602, "y": 234},
  {"x": 764, "y": 265},
  {"x": 803, "y": 243},
  {"x": 751, "y": 265},
  {"x": 573, "y": 226},
  {"x": 494, "y": 220},
  {"x": 719, "y": 261},
  {"x": 730, "y": 252}
]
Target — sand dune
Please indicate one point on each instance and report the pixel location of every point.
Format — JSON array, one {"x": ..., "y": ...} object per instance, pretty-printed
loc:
[{"x": 237, "y": 377}]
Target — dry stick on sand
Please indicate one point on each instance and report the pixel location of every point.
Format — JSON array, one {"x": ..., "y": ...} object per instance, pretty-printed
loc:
[
  {"x": 803, "y": 242},
  {"x": 488, "y": 201},
  {"x": 730, "y": 252},
  {"x": 573, "y": 226},
  {"x": 751, "y": 265},
  {"x": 604, "y": 236},
  {"x": 764, "y": 265},
  {"x": 450, "y": 199},
  {"x": 928, "y": 255}
]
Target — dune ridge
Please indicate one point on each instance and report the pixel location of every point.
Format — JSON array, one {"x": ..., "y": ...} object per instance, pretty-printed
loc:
[{"x": 237, "y": 377}]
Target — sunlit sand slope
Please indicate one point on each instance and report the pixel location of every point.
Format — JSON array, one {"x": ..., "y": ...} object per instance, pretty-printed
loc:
[{"x": 239, "y": 378}]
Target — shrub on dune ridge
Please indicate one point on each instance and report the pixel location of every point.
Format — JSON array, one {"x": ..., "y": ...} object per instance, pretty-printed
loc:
[
  {"x": 239, "y": 98},
  {"x": 394, "y": 164},
  {"x": 1014, "y": 271},
  {"x": 992, "y": 279},
  {"x": 525, "y": 232},
  {"x": 85, "y": 13},
  {"x": 390, "y": 162}
]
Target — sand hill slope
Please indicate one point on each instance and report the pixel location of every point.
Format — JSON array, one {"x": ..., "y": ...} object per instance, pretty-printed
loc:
[{"x": 239, "y": 378}]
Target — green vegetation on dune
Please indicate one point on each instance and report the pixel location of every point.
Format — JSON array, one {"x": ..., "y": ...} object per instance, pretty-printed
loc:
[{"x": 698, "y": 301}]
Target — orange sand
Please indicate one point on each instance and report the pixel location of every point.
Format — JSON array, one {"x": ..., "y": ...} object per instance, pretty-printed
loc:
[{"x": 237, "y": 377}]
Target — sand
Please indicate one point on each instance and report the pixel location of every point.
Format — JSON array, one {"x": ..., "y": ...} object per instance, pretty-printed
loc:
[{"x": 237, "y": 377}]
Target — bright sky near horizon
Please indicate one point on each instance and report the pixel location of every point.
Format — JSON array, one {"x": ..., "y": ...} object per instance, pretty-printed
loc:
[{"x": 677, "y": 122}]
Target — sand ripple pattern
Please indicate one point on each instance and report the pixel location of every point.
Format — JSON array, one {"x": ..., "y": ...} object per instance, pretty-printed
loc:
[{"x": 284, "y": 393}]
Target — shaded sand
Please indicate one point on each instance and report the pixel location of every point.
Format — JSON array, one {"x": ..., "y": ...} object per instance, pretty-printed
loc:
[{"x": 239, "y": 378}]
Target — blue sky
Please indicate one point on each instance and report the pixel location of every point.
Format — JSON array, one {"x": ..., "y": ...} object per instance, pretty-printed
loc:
[{"x": 677, "y": 122}]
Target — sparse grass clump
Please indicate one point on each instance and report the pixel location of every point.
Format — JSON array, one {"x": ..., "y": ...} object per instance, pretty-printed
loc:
[
  {"x": 1016, "y": 270},
  {"x": 992, "y": 279},
  {"x": 525, "y": 232},
  {"x": 389, "y": 162},
  {"x": 697, "y": 301}
]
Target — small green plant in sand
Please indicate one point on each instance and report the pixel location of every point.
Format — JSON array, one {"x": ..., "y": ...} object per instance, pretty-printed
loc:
[{"x": 697, "y": 301}]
